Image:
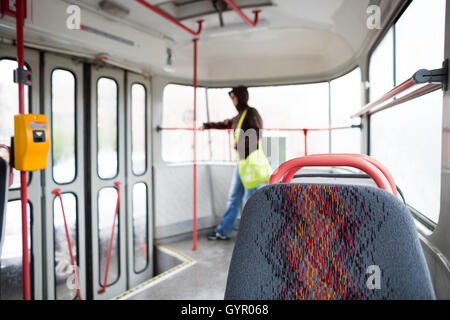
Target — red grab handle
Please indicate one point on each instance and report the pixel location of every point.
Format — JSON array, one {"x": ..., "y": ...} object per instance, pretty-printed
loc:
[
  {"x": 111, "y": 240},
  {"x": 327, "y": 160},
  {"x": 57, "y": 192},
  {"x": 288, "y": 177}
]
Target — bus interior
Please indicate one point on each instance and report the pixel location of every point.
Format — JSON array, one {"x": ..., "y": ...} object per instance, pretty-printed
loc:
[{"x": 110, "y": 183}]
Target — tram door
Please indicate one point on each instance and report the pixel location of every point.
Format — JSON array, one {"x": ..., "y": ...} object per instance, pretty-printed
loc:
[
  {"x": 64, "y": 108},
  {"x": 139, "y": 180},
  {"x": 107, "y": 168},
  {"x": 11, "y": 255},
  {"x": 119, "y": 136}
]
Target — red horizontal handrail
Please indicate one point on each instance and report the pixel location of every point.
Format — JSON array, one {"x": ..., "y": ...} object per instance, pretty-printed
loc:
[
  {"x": 392, "y": 93},
  {"x": 335, "y": 161},
  {"x": 431, "y": 87},
  {"x": 242, "y": 14},
  {"x": 172, "y": 19},
  {"x": 264, "y": 129},
  {"x": 290, "y": 174}
]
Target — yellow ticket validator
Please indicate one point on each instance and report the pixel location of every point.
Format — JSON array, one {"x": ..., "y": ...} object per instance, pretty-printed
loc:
[{"x": 31, "y": 142}]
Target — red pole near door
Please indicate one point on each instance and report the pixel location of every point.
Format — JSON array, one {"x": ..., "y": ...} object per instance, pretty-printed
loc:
[
  {"x": 23, "y": 175},
  {"x": 194, "y": 245},
  {"x": 305, "y": 133}
]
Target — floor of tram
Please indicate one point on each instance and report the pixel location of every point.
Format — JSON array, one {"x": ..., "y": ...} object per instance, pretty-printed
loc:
[{"x": 204, "y": 277}]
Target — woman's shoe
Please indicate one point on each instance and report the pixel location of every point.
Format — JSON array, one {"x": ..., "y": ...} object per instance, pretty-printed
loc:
[{"x": 217, "y": 236}]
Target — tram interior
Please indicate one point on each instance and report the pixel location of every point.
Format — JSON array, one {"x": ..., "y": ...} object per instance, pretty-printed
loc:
[{"x": 115, "y": 80}]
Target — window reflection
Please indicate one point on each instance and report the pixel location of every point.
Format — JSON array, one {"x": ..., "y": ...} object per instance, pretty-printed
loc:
[
  {"x": 346, "y": 100},
  {"x": 107, "y": 128},
  {"x": 11, "y": 258},
  {"x": 63, "y": 126},
  {"x": 413, "y": 130},
  {"x": 138, "y": 128},
  {"x": 107, "y": 199},
  {"x": 63, "y": 263},
  {"x": 179, "y": 113},
  {"x": 140, "y": 227},
  {"x": 381, "y": 68},
  {"x": 9, "y": 102}
]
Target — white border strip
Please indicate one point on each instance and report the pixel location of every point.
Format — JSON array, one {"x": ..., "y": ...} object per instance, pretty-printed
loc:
[{"x": 188, "y": 262}]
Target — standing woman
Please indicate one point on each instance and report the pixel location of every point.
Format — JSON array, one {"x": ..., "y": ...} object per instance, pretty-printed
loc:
[{"x": 251, "y": 120}]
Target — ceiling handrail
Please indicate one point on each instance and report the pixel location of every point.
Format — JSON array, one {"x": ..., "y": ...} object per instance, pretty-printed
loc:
[
  {"x": 172, "y": 19},
  {"x": 242, "y": 14}
]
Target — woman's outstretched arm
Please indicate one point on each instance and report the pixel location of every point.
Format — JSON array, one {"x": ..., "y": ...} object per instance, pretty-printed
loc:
[{"x": 226, "y": 124}]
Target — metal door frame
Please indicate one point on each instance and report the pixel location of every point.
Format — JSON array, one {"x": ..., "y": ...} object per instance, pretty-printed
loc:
[
  {"x": 146, "y": 178},
  {"x": 32, "y": 59},
  {"x": 76, "y": 187},
  {"x": 96, "y": 183}
]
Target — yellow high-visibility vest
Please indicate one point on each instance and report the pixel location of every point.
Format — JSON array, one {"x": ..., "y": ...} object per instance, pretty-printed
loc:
[{"x": 255, "y": 169}]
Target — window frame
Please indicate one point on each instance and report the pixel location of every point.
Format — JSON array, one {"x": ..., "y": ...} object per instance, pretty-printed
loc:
[
  {"x": 419, "y": 216},
  {"x": 30, "y": 107},
  {"x": 75, "y": 122},
  {"x": 30, "y": 236},
  {"x": 77, "y": 220},
  {"x": 147, "y": 260},
  {"x": 145, "y": 127},
  {"x": 117, "y": 234},
  {"x": 117, "y": 129},
  {"x": 211, "y": 161}
]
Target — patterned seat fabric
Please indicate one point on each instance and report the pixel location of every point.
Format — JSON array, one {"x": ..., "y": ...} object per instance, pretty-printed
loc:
[{"x": 327, "y": 242}]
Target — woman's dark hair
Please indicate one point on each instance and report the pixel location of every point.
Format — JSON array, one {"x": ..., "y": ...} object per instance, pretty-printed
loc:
[{"x": 241, "y": 93}]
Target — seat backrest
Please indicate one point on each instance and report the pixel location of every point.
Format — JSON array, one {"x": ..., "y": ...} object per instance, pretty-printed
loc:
[
  {"x": 303, "y": 241},
  {"x": 4, "y": 181}
]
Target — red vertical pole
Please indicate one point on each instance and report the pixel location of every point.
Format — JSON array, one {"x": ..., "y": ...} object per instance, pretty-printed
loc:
[
  {"x": 194, "y": 244},
  {"x": 23, "y": 175},
  {"x": 305, "y": 133}
]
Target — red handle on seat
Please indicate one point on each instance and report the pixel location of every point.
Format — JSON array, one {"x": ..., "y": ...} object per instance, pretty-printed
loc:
[
  {"x": 57, "y": 192},
  {"x": 332, "y": 160},
  {"x": 288, "y": 177},
  {"x": 111, "y": 240}
]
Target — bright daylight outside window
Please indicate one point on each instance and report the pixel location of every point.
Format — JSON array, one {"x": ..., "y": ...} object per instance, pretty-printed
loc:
[
  {"x": 179, "y": 113},
  {"x": 281, "y": 107},
  {"x": 408, "y": 137}
]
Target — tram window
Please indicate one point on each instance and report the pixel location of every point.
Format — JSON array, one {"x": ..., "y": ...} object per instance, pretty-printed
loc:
[
  {"x": 138, "y": 129},
  {"x": 177, "y": 145},
  {"x": 9, "y": 106},
  {"x": 381, "y": 67},
  {"x": 345, "y": 93},
  {"x": 140, "y": 227},
  {"x": 408, "y": 137},
  {"x": 107, "y": 160},
  {"x": 63, "y": 265},
  {"x": 107, "y": 199},
  {"x": 220, "y": 108},
  {"x": 295, "y": 106},
  {"x": 63, "y": 126},
  {"x": 11, "y": 259}
]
